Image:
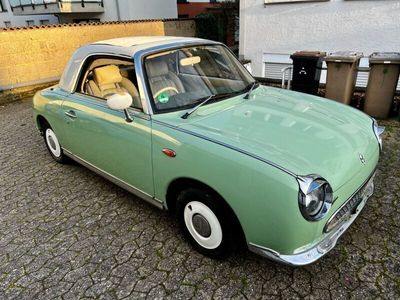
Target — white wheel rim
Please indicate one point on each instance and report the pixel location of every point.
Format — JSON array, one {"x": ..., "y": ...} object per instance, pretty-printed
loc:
[
  {"x": 197, "y": 208},
  {"x": 52, "y": 143}
]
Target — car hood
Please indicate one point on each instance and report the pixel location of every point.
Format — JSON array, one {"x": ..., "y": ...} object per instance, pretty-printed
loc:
[{"x": 301, "y": 133}]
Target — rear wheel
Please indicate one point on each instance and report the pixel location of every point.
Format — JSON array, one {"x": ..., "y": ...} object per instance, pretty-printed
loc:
[
  {"x": 205, "y": 223},
  {"x": 53, "y": 144}
]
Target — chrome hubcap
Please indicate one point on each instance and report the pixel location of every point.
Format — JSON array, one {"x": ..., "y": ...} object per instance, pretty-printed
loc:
[
  {"x": 201, "y": 225},
  {"x": 52, "y": 144}
]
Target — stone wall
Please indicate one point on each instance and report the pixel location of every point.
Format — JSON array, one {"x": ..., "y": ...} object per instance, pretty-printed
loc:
[{"x": 32, "y": 56}]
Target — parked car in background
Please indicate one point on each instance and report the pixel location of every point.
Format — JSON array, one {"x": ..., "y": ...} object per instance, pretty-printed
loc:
[{"x": 180, "y": 123}]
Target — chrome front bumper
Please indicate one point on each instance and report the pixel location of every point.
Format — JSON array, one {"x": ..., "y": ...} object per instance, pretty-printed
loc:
[{"x": 326, "y": 244}]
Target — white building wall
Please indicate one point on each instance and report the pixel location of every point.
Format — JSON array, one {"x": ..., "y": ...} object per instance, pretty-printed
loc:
[
  {"x": 7, "y": 16},
  {"x": 115, "y": 10},
  {"x": 365, "y": 26},
  {"x": 206, "y": 1}
]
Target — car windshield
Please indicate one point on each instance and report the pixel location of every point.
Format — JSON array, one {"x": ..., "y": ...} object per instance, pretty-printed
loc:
[{"x": 182, "y": 78}]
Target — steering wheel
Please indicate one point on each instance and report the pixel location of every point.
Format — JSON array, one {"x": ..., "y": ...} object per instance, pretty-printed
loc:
[{"x": 168, "y": 88}]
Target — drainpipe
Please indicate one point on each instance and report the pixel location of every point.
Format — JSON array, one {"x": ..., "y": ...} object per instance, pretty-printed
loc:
[{"x": 118, "y": 12}]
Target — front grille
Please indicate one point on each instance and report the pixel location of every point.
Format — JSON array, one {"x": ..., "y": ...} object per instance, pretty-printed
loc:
[{"x": 350, "y": 206}]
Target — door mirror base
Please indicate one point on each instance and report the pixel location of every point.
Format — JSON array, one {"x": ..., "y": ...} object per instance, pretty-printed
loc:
[{"x": 128, "y": 117}]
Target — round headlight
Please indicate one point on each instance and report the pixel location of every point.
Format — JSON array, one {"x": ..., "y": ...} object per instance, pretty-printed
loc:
[{"x": 315, "y": 197}]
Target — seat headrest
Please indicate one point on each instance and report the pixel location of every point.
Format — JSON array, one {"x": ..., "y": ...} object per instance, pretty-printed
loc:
[
  {"x": 124, "y": 73},
  {"x": 107, "y": 75},
  {"x": 157, "y": 67}
]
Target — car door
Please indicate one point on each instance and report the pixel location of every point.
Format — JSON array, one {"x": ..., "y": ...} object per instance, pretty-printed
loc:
[{"x": 104, "y": 140}]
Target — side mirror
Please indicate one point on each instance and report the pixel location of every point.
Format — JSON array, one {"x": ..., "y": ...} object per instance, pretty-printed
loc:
[{"x": 121, "y": 102}]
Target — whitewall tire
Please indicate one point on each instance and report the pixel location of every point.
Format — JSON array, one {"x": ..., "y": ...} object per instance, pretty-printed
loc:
[
  {"x": 53, "y": 145},
  {"x": 206, "y": 222},
  {"x": 203, "y": 224},
  {"x": 52, "y": 142}
]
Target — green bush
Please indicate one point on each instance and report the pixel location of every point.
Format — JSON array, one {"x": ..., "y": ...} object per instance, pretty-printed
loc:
[{"x": 210, "y": 26}]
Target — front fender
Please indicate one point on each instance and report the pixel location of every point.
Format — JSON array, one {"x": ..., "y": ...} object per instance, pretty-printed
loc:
[{"x": 263, "y": 197}]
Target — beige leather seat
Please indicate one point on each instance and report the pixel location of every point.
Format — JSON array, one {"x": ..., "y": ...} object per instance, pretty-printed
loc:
[
  {"x": 162, "y": 80},
  {"x": 108, "y": 80}
]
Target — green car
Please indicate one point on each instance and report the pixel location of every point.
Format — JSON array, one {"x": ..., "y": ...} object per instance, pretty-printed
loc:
[{"x": 180, "y": 123}]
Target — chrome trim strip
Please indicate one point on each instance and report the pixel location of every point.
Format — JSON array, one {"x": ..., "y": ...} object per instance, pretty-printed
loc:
[
  {"x": 315, "y": 252},
  {"x": 71, "y": 115},
  {"x": 142, "y": 86},
  {"x": 378, "y": 131},
  {"x": 226, "y": 145},
  {"x": 137, "y": 192},
  {"x": 261, "y": 251}
]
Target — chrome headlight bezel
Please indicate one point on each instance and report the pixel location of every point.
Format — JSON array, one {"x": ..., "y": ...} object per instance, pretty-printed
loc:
[
  {"x": 312, "y": 206},
  {"x": 378, "y": 131}
]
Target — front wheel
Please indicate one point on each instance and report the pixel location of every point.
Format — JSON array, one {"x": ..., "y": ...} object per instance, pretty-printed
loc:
[
  {"x": 53, "y": 145},
  {"x": 205, "y": 223}
]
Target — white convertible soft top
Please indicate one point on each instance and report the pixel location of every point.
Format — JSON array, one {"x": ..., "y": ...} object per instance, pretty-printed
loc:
[{"x": 126, "y": 46}]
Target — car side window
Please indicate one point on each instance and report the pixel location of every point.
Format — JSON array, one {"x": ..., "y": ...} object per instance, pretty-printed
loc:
[{"x": 104, "y": 77}]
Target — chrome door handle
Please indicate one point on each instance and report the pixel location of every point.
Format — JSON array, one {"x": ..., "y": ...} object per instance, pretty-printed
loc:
[{"x": 71, "y": 114}]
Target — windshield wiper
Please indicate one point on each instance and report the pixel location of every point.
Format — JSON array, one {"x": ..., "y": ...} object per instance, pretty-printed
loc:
[
  {"x": 254, "y": 85},
  {"x": 187, "y": 114},
  {"x": 211, "y": 97}
]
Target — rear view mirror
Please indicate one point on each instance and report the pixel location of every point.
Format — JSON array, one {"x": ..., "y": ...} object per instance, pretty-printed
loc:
[
  {"x": 119, "y": 101},
  {"x": 190, "y": 61}
]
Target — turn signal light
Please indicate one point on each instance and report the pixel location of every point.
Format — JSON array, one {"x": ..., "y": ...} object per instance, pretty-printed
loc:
[{"x": 169, "y": 152}]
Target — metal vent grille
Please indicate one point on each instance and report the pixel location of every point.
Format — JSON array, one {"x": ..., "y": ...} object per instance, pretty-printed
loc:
[{"x": 273, "y": 70}]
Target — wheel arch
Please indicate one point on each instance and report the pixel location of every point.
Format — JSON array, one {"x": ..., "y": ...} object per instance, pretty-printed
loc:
[
  {"x": 179, "y": 184},
  {"x": 41, "y": 122}
]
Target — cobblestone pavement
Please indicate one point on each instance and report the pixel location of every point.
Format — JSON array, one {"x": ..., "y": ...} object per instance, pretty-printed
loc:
[{"x": 67, "y": 233}]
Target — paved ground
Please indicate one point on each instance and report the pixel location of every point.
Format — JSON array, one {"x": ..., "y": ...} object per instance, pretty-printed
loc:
[{"x": 67, "y": 233}]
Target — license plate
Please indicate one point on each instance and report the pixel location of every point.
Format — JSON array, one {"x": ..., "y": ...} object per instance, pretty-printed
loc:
[{"x": 364, "y": 193}]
